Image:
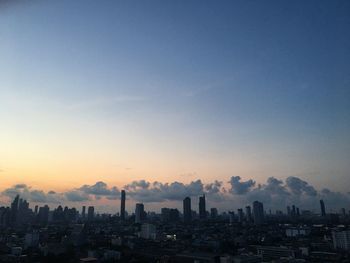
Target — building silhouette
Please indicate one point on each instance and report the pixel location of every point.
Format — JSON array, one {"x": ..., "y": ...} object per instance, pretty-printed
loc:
[
  {"x": 83, "y": 212},
  {"x": 323, "y": 208},
  {"x": 202, "y": 210},
  {"x": 14, "y": 209},
  {"x": 170, "y": 214},
  {"x": 139, "y": 213},
  {"x": 187, "y": 210},
  {"x": 91, "y": 213},
  {"x": 43, "y": 215},
  {"x": 258, "y": 212},
  {"x": 122, "y": 205}
]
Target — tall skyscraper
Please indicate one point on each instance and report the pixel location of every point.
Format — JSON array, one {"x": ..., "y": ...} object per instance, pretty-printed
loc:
[
  {"x": 258, "y": 212},
  {"x": 187, "y": 210},
  {"x": 202, "y": 210},
  {"x": 14, "y": 209},
  {"x": 83, "y": 212},
  {"x": 323, "y": 208},
  {"x": 122, "y": 205},
  {"x": 91, "y": 213},
  {"x": 43, "y": 214},
  {"x": 36, "y": 209},
  {"x": 139, "y": 212}
]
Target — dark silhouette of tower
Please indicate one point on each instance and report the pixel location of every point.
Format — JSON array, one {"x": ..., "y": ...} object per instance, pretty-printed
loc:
[
  {"x": 122, "y": 205},
  {"x": 91, "y": 213},
  {"x": 323, "y": 208},
  {"x": 14, "y": 209},
  {"x": 187, "y": 210},
  {"x": 202, "y": 210},
  {"x": 43, "y": 215},
  {"x": 139, "y": 213},
  {"x": 83, "y": 212},
  {"x": 258, "y": 212}
]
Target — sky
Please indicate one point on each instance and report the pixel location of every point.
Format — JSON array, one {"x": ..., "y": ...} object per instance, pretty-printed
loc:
[{"x": 123, "y": 94}]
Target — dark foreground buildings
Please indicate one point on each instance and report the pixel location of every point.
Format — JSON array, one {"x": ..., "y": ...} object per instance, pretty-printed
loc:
[{"x": 253, "y": 234}]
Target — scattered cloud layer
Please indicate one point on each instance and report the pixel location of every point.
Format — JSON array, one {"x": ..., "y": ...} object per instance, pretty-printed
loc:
[{"x": 275, "y": 193}]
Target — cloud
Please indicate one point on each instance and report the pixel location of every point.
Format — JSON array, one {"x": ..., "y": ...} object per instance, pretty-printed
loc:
[
  {"x": 239, "y": 187},
  {"x": 157, "y": 192},
  {"x": 299, "y": 187},
  {"x": 76, "y": 196},
  {"x": 33, "y": 195},
  {"x": 274, "y": 193},
  {"x": 100, "y": 189}
]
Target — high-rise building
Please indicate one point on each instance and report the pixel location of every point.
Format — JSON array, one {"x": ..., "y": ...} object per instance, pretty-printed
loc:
[
  {"x": 258, "y": 212},
  {"x": 83, "y": 212},
  {"x": 202, "y": 210},
  {"x": 36, "y": 209},
  {"x": 91, "y": 213},
  {"x": 14, "y": 209},
  {"x": 248, "y": 214},
  {"x": 323, "y": 208},
  {"x": 139, "y": 212},
  {"x": 187, "y": 210},
  {"x": 122, "y": 205},
  {"x": 43, "y": 214}
]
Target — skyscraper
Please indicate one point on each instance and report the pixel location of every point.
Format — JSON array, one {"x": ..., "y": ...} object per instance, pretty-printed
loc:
[
  {"x": 202, "y": 210},
  {"x": 91, "y": 212},
  {"x": 83, "y": 212},
  {"x": 14, "y": 209},
  {"x": 323, "y": 208},
  {"x": 258, "y": 212},
  {"x": 43, "y": 215},
  {"x": 36, "y": 209},
  {"x": 139, "y": 212},
  {"x": 187, "y": 210},
  {"x": 122, "y": 205}
]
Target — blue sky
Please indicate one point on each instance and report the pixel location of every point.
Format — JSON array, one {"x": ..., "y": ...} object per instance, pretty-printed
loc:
[{"x": 214, "y": 88}]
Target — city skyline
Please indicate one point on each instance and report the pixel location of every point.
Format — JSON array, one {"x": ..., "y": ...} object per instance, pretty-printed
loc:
[
  {"x": 239, "y": 101},
  {"x": 255, "y": 215},
  {"x": 276, "y": 194}
]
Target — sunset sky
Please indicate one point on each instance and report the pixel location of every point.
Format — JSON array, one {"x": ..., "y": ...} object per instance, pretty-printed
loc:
[{"x": 173, "y": 91}]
